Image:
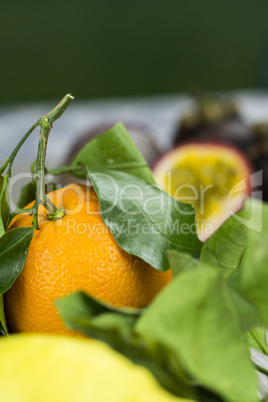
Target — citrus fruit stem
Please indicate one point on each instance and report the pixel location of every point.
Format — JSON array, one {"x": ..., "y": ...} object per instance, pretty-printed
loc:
[
  {"x": 56, "y": 215},
  {"x": 45, "y": 124},
  {"x": 41, "y": 198},
  {"x": 39, "y": 176}
]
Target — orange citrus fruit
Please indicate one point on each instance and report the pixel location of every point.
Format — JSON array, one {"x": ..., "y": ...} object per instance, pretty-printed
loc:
[
  {"x": 77, "y": 252},
  {"x": 213, "y": 177}
]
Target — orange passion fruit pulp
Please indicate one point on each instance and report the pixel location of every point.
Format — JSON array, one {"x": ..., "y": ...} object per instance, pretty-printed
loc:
[{"x": 214, "y": 177}]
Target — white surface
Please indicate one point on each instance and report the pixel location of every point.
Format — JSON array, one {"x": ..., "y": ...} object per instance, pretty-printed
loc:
[{"x": 159, "y": 114}]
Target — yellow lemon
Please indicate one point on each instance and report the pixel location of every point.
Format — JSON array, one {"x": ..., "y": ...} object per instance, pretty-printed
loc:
[{"x": 47, "y": 368}]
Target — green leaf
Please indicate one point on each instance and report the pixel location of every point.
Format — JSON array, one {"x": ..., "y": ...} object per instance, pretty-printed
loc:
[
  {"x": 2, "y": 316},
  {"x": 225, "y": 248},
  {"x": 14, "y": 247},
  {"x": 115, "y": 327},
  {"x": 254, "y": 272},
  {"x": 27, "y": 194},
  {"x": 113, "y": 149},
  {"x": 137, "y": 212},
  {"x": 180, "y": 262},
  {"x": 248, "y": 315},
  {"x": 4, "y": 207},
  {"x": 195, "y": 317},
  {"x": 96, "y": 319}
]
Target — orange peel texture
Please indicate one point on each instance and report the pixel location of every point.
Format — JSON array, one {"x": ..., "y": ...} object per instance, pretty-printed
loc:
[{"x": 75, "y": 253}]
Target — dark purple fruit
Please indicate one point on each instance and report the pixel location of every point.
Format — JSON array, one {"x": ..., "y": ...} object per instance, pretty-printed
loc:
[
  {"x": 214, "y": 118},
  {"x": 140, "y": 135},
  {"x": 218, "y": 119}
]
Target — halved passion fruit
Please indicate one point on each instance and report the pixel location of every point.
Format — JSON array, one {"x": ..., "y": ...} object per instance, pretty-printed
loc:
[{"x": 213, "y": 177}]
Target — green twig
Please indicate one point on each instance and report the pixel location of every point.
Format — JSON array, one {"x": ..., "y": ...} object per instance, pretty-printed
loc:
[
  {"x": 45, "y": 124},
  {"x": 65, "y": 169},
  {"x": 41, "y": 198}
]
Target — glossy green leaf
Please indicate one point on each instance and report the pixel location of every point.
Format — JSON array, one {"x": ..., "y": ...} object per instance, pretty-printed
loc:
[
  {"x": 144, "y": 220},
  {"x": 180, "y": 262},
  {"x": 113, "y": 149},
  {"x": 196, "y": 318},
  {"x": 2, "y": 317},
  {"x": 254, "y": 272},
  {"x": 14, "y": 247}
]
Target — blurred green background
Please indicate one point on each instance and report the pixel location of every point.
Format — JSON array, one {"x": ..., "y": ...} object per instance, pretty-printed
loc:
[{"x": 125, "y": 48}]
